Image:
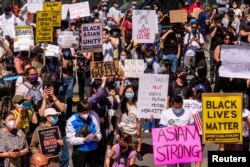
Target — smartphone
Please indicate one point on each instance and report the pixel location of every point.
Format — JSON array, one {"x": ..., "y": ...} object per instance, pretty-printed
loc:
[{"x": 16, "y": 150}]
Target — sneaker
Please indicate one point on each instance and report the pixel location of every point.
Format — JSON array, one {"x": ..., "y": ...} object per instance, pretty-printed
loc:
[
  {"x": 146, "y": 131},
  {"x": 139, "y": 156}
]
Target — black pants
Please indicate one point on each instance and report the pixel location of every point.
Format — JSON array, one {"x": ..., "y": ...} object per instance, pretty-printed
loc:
[{"x": 83, "y": 158}]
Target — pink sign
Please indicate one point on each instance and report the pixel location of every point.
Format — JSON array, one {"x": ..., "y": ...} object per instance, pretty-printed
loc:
[{"x": 176, "y": 145}]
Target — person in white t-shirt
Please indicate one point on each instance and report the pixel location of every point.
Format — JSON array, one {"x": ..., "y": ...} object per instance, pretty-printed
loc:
[
  {"x": 107, "y": 47},
  {"x": 114, "y": 12},
  {"x": 176, "y": 116}
]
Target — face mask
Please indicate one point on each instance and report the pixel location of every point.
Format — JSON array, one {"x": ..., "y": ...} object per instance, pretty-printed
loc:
[
  {"x": 95, "y": 11},
  {"x": 7, "y": 13},
  {"x": 66, "y": 54},
  {"x": 177, "y": 110},
  {"x": 84, "y": 116},
  {"x": 163, "y": 68},
  {"x": 53, "y": 119},
  {"x": 198, "y": 3},
  {"x": 110, "y": 23},
  {"x": 33, "y": 79},
  {"x": 123, "y": 58},
  {"x": 129, "y": 95},
  {"x": 11, "y": 124},
  {"x": 104, "y": 8},
  {"x": 183, "y": 77},
  {"x": 115, "y": 33},
  {"x": 134, "y": 7},
  {"x": 234, "y": 6},
  {"x": 149, "y": 61},
  {"x": 156, "y": 8},
  {"x": 194, "y": 30}
]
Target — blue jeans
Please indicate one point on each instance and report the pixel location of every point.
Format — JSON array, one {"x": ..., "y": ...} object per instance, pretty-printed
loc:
[
  {"x": 148, "y": 125},
  {"x": 64, "y": 157},
  {"x": 174, "y": 60}
]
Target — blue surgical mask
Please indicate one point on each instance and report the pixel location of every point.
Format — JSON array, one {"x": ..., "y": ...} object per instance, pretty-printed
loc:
[
  {"x": 27, "y": 105},
  {"x": 66, "y": 53},
  {"x": 53, "y": 119},
  {"x": 163, "y": 68},
  {"x": 129, "y": 95},
  {"x": 177, "y": 110},
  {"x": 33, "y": 79}
]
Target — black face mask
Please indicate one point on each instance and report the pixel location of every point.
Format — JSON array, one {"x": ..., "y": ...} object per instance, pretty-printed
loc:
[
  {"x": 198, "y": 3},
  {"x": 198, "y": 96},
  {"x": 183, "y": 77}
]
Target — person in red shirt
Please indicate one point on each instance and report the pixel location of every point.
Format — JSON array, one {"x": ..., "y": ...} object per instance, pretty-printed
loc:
[{"x": 197, "y": 4}]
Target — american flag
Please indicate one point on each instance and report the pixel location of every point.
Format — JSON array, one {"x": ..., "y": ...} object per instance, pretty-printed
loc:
[{"x": 198, "y": 122}]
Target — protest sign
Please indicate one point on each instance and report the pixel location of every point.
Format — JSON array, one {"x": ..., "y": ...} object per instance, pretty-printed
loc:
[
  {"x": 109, "y": 69},
  {"x": 79, "y": 10},
  {"x": 24, "y": 38},
  {"x": 152, "y": 96},
  {"x": 68, "y": 39},
  {"x": 144, "y": 26},
  {"x": 179, "y": 144},
  {"x": 35, "y": 5},
  {"x": 56, "y": 8},
  {"x": 134, "y": 68},
  {"x": 222, "y": 117},
  {"x": 44, "y": 27},
  {"x": 51, "y": 50},
  {"x": 178, "y": 16},
  {"x": 65, "y": 9},
  {"x": 48, "y": 141},
  {"x": 235, "y": 61},
  {"x": 92, "y": 37},
  {"x": 9, "y": 29},
  {"x": 196, "y": 12}
]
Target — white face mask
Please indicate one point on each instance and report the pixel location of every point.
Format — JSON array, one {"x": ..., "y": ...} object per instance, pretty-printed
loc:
[
  {"x": 11, "y": 124},
  {"x": 123, "y": 58},
  {"x": 84, "y": 116}
]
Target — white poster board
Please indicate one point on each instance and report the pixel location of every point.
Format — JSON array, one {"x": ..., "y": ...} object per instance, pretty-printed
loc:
[
  {"x": 192, "y": 106},
  {"x": 68, "y": 39},
  {"x": 235, "y": 61},
  {"x": 144, "y": 26},
  {"x": 24, "y": 38},
  {"x": 152, "y": 96},
  {"x": 133, "y": 68},
  {"x": 35, "y": 5},
  {"x": 79, "y": 10},
  {"x": 65, "y": 9},
  {"x": 51, "y": 50}
]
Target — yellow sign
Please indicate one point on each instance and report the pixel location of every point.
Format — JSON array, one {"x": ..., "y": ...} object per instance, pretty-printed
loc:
[
  {"x": 178, "y": 16},
  {"x": 44, "y": 27},
  {"x": 222, "y": 117},
  {"x": 56, "y": 8}
]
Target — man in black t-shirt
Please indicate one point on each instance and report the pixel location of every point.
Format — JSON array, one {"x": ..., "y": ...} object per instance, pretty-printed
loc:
[{"x": 245, "y": 30}]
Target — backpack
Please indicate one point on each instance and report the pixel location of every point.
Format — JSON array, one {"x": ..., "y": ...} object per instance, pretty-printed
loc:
[
  {"x": 52, "y": 75},
  {"x": 35, "y": 93}
]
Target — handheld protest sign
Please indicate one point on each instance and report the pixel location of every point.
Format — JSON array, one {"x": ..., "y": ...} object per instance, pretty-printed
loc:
[
  {"x": 68, "y": 39},
  {"x": 178, "y": 144},
  {"x": 48, "y": 141},
  {"x": 222, "y": 117},
  {"x": 91, "y": 37},
  {"x": 108, "y": 69},
  {"x": 133, "y": 68},
  {"x": 152, "y": 95},
  {"x": 178, "y": 16},
  {"x": 56, "y": 8},
  {"x": 35, "y": 5},
  {"x": 44, "y": 27},
  {"x": 24, "y": 38},
  {"x": 77, "y": 10}
]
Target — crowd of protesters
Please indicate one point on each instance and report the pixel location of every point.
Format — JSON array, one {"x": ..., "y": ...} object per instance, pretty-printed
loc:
[{"x": 104, "y": 129}]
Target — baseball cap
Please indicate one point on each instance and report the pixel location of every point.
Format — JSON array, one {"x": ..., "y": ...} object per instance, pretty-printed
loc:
[{"x": 51, "y": 111}]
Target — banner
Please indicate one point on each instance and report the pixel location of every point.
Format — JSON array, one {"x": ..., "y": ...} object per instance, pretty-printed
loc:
[
  {"x": 65, "y": 9},
  {"x": 56, "y": 8},
  {"x": 235, "y": 61},
  {"x": 144, "y": 26},
  {"x": 48, "y": 141},
  {"x": 222, "y": 117},
  {"x": 178, "y": 16},
  {"x": 179, "y": 144},
  {"x": 24, "y": 38},
  {"x": 134, "y": 68},
  {"x": 152, "y": 96},
  {"x": 68, "y": 39},
  {"x": 79, "y": 10},
  {"x": 44, "y": 27},
  {"x": 109, "y": 69},
  {"x": 92, "y": 37},
  {"x": 35, "y": 5}
]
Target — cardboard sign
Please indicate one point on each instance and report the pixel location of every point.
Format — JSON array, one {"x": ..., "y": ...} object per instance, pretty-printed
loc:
[
  {"x": 144, "y": 26},
  {"x": 196, "y": 12},
  {"x": 222, "y": 117},
  {"x": 35, "y": 5},
  {"x": 152, "y": 96},
  {"x": 235, "y": 61},
  {"x": 48, "y": 141},
  {"x": 79, "y": 10},
  {"x": 179, "y": 144},
  {"x": 92, "y": 37},
  {"x": 68, "y": 39},
  {"x": 24, "y": 38},
  {"x": 134, "y": 68},
  {"x": 109, "y": 69},
  {"x": 56, "y": 8},
  {"x": 178, "y": 16},
  {"x": 44, "y": 27},
  {"x": 65, "y": 9}
]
